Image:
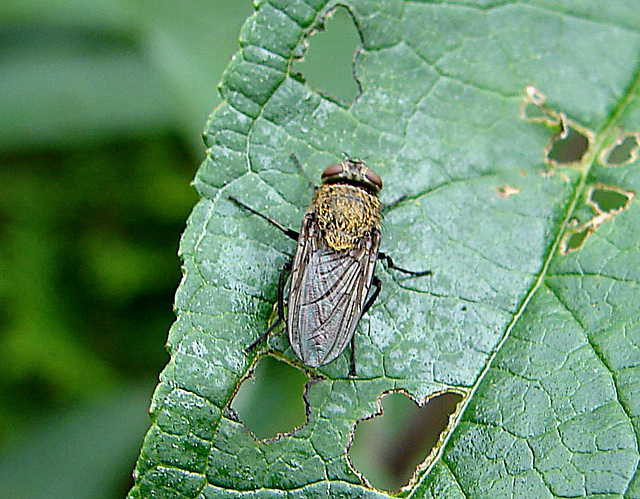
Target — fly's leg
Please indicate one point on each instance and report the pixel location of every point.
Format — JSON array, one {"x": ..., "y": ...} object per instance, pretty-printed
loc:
[
  {"x": 352, "y": 363},
  {"x": 253, "y": 345},
  {"x": 383, "y": 256},
  {"x": 288, "y": 232},
  {"x": 303, "y": 174},
  {"x": 375, "y": 282},
  {"x": 281, "y": 281},
  {"x": 386, "y": 207},
  {"x": 391, "y": 265}
]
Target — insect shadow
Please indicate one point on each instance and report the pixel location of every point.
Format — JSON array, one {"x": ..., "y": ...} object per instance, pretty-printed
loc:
[{"x": 332, "y": 270}]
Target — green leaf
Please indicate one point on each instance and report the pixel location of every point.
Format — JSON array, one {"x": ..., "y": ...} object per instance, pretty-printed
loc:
[{"x": 542, "y": 341}]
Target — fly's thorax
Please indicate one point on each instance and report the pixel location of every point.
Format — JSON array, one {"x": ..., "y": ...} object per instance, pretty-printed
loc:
[{"x": 345, "y": 214}]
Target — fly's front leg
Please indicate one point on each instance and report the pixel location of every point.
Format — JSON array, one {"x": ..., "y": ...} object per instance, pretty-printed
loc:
[
  {"x": 386, "y": 207},
  {"x": 281, "y": 282},
  {"x": 391, "y": 265},
  {"x": 303, "y": 174},
  {"x": 288, "y": 232}
]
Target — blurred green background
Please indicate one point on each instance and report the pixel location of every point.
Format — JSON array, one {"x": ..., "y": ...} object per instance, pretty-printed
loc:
[
  {"x": 103, "y": 104},
  {"x": 102, "y": 108}
]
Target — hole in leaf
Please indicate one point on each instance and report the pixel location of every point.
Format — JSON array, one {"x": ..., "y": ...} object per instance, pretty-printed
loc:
[
  {"x": 271, "y": 400},
  {"x": 568, "y": 147},
  {"x": 608, "y": 200},
  {"x": 534, "y": 112},
  {"x": 533, "y": 108},
  {"x": 623, "y": 152},
  {"x": 534, "y": 95},
  {"x": 328, "y": 63},
  {"x": 574, "y": 239},
  {"x": 506, "y": 191},
  {"x": 387, "y": 448},
  {"x": 572, "y": 141}
]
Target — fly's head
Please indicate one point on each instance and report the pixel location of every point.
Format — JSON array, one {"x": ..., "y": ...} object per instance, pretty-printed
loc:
[{"x": 355, "y": 172}]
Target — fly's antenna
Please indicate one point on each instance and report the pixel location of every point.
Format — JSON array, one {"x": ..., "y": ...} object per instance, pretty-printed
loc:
[{"x": 348, "y": 156}]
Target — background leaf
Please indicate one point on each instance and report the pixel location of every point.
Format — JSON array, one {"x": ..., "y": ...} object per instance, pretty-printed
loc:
[
  {"x": 118, "y": 419},
  {"x": 543, "y": 345},
  {"x": 82, "y": 71},
  {"x": 99, "y": 139}
]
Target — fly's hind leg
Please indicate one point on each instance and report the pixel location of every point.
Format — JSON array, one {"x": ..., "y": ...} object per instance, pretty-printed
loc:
[
  {"x": 281, "y": 281},
  {"x": 377, "y": 284},
  {"x": 352, "y": 363},
  {"x": 370, "y": 301}
]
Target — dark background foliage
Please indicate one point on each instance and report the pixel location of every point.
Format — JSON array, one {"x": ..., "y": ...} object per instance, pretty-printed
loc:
[{"x": 102, "y": 107}]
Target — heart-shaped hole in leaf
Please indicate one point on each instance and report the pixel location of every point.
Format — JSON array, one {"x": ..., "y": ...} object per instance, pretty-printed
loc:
[{"x": 388, "y": 447}]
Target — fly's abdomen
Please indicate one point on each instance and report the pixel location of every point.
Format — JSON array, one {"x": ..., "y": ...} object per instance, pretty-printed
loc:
[
  {"x": 321, "y": 326},
  {"x": 327, "y": 292}
]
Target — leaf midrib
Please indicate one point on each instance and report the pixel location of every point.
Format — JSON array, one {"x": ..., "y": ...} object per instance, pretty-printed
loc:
[{"x": 587, "y": 165}]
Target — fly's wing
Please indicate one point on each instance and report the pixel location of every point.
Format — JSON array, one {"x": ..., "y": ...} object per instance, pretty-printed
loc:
[{"x": 327, "y": 292}]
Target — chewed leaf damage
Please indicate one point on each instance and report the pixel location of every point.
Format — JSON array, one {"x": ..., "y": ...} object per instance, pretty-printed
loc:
[
  {"x": 390, "y": 448},
  {"x": 506, "y": 191},
  {"x": 606, "y": 201},
  {"x": 270, "y": 411},
  {"x": 624, "y": 151},
  {"x": 571, "y": 141}
]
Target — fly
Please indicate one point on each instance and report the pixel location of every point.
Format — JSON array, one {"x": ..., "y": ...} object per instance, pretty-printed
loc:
[{"x": 332, "y": 270}]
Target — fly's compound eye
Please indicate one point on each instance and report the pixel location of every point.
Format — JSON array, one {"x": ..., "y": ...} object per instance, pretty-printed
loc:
[
  {"x": 332, "y": 170},
  {"x": 374, "y": 178}
]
